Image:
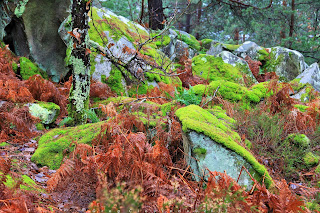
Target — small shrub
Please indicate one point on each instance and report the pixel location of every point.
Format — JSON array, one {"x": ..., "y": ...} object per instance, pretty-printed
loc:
[{"x": 187, "y": 97}]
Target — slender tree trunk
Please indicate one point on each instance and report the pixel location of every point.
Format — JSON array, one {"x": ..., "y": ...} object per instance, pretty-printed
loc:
[
  {"x": 283, "y": 27},
  {"x": 155, "y": 10},
  {"x": 79, "y": 62},
  {"x": 292, "y": 22},
  {"x": 142, "y": 12},
  {"x": 199, "y": 18},
  {"x": 236, "y": 35},
  {"x": 188, "y": 22}
]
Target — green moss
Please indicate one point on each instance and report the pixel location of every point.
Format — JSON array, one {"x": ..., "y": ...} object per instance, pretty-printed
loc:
[
  {"x": 149, "y": 121},
  {"x": 311, "y": 159},
  {"x": 15, "y": 67},
  {"x": 231, "y": 47},
  {"x": 191, "y": 41},
  {"x": 28, "y": 69},
  {"x": 206, "y": 43},
  {"x": 195, "y": 118},
  {"x": 201, "y": 152},
  {"x": 248, "y": 143},
  {"x": 49, "y": 105},
  {"x": 302, "y": 108},
  {"x": 40, "y": 126},
  {"x": 300, "y": 140},
  {"x": 296, "y": 85},
  {"x": 309, "y": 94},
  {"x": 162, "y": 40},
  {"x": 26, "y": 183},
  {"x": 114, "y": 81},
  {"x": 313, "y": 206},
  {"x": 140, "y": 89},
  {"x": 117, "y": 100},
  {"x": 213, "y": 68},
  {"x": 317, "y": 171},
  {"x": 54, "y": 143},
  {"x": 115, "y": 27},
  {"x": 3, "y": 144},
  {"x": 228, "y": 90},
  {"x": 221, "y": 114},
  {"x": 168, "y": 107}
]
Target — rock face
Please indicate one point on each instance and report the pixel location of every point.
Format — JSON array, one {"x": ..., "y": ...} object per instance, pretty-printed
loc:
[
  {"x": 311, "y": 76},
  {"x": 216, "y": 158},
  {"x": 291, "y": 62},
  {"x": 177, "y": 48},
  {"x": 212, "y": 144},
  {"x": 34, "y": 34},
  {"x": 248, "y": 48}
]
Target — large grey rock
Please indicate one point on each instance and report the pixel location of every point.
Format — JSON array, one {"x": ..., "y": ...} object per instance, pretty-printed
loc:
[
  {"x": 177, "y": 48},
  {"x": 234, "y": 60},
  {"x": 215, "y": 49},
  {"x": 217, "y": 158},
  {"x": 248, "y": 48},
  {"x": 311, "y": 76},
  {"x": 32, "y": 31},
  {"x": 35, "y": 33},
  {"x": 291, "y": 62}
]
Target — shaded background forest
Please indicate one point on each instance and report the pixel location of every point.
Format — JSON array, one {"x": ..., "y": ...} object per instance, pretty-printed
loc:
[{"x": 294, "y": 24}]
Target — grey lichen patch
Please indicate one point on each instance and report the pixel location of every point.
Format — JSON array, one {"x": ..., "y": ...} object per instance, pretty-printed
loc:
[
  {"x": 78, "y": 95},
  {"x": 78, "y": 66}
]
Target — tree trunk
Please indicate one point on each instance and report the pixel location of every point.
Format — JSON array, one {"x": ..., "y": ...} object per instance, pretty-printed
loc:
[
  {"x": 283, "y": 27},
  {"x": 188, "y": 22},
  {"x": 292, "y": 18},
  {"x": 156, "y": 15},
  {"x": 236, "y": 36},
  {"x": 142, "y": 12},
  {"x": 199, "y": 18},
  {"x": 79, "y": 62}
]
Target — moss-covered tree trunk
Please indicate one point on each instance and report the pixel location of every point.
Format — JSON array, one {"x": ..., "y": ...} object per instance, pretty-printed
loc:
[{"x": 79, "y": 62}]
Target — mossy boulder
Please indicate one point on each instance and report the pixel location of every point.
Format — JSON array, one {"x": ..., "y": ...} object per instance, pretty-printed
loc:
[
  {"x": 291, "y": 62},
  {"x": 223, "y": 150},
  {"x": 214, "y": 68},
  {"x": 121, "y": 38},
  {"x": 46, "y": 111},
  {"x": 248, "y": 48},
  {"x": 233, "y": 91},
  {"x": 300, "y": 140},
  {"x": 53, "y": 145},
  {"x": 189, "y": 39}
]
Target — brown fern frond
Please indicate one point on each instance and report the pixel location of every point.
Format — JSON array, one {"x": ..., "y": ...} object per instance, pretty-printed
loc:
[
  {"x": 5, "y": 166},
  {"x": 109, "y": 109},
  {"x": 16, "y": 124},
  {"x": 64, "y": 171},
  {"x": 286, "y": 201},
  {"x": 100, "y": 90}
]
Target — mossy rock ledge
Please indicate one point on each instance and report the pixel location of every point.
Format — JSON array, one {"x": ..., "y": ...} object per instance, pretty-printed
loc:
[
  {"x": 213, "y": 144},
  {"x": 54, "y": 144}
]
